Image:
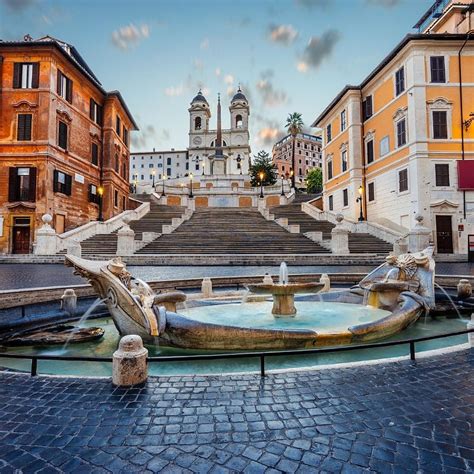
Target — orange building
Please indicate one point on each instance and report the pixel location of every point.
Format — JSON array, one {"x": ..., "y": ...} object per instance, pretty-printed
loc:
[
  {"x": 403, "y": 139},
  {"x": 64, "y": 142}
]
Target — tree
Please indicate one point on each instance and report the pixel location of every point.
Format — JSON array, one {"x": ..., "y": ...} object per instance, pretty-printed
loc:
[
  {"x": 262, "y": 163},
  {"x": 294, "y": 125},
  {"x": 314, "y": 181}
]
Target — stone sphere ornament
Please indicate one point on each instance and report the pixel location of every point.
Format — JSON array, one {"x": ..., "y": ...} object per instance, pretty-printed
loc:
[
  {"x": 339, "y": 218},
  {"x": 47, "y": 219}
]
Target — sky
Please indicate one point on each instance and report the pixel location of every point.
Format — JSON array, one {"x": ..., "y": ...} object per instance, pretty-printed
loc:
[{"x": 287, "y": 55}]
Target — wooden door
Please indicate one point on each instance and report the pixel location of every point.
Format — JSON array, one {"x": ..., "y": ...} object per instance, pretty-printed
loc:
[
  {"x": 60, "y": 224},
  {"x": 444, "y": 234},
  {"x": 21, "y": 239}
]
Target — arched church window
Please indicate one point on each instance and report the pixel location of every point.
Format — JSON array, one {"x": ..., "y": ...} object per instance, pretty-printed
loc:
[
  {"x": 238, "y": 121},
  {"x": 197, "y": 123},
  {"x": 213, "y": 143}
]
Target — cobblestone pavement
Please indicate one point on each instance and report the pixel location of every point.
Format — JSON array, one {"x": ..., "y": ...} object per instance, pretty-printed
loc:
[
  {"x": 399, "y": 418},
  {"x": 16, "y": 276}
]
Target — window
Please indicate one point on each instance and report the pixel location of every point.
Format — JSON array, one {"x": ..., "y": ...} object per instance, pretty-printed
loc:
[
  {"x": 22, "y": 184},
  {"x": 168, "y": 161},
  {"x": 197, "y": 166},
  {"x": 400, "y": 81},
  {"x": 370, "y": 151},
  {"x": 328, "y": 134},
  {"x": 197, "y": 123},
  {"x": 116, "y": 198},
  {"x": 438, "y": 73},
  {"x": 62, "y": 183},
  {"x": 24, "y": 127},
  {"x": 62, "y": 135},
  {"x": 116, "y": 163},
  {"x": 329, "y": 169},
  {"x": 238, "y": 121},
  {"x": 345, "y": 198},
  {"x": 442, "y": 174},
  {"x": 93, "y": 194},
  {"x": 371, "y": 189},
  {"x": 403, "y": 180},
  {"x": 95, "y": 154},
  {"x": 331, "y": 202},
  {"x": 26, "y": 75},
  {"x": 124, "y": 171},
  {"x": 401, "y": 132},
  {"x": 440, "y": 124},
  {"x": 344, "y": 160},
  {"x": 384, "y": 145},
  {"x": 125, "y": 135},
  {"x": 343, "y": 121},
  {"x": 64, "y": 87},
  {"x": 367, "y": 109},
  {"x": 95, "y": 112},
  {"x": 118, "y": 125},
  {"x": 168, "y": 172}
]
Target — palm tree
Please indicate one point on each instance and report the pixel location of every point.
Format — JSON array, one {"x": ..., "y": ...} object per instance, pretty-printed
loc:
[{"x": 294, "y": 125}]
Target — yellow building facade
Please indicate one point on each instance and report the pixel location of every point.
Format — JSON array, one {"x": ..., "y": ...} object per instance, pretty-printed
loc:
[{"x": 397, "y": 139}]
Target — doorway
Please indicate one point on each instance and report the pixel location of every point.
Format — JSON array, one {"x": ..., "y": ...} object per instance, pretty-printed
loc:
[
  {"x": 444, "y": 234},
  {"x": 21, "y": 235},
  {"x": 60, "y": 224}
]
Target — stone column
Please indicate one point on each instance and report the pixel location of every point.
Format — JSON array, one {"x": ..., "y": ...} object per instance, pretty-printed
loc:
[
  {"x": 46, "y": 238},
  {"x": 420, "y": 237},
  {"x": 129, "y": 362},
  {"x": 340, "y": 237},
  {"x": 125, "y": 241}
]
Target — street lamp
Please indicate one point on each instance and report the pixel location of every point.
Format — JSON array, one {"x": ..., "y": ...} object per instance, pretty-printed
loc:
[
  {"x": 291, "y": 177},
  {"x": 359, "y": 200},
  {"x": 100, "y": 192},
  {"x": 282, "y": 190},
  {"x": 153, "y": 174},
  {"x": 261, "y": 175},
  {"x": 191, "y": 185},
  {"x": 203, "y": 165}
]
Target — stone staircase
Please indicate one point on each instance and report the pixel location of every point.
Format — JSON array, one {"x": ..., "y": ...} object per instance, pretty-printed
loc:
[
  {"x": 231, "y": 231},
  {"x": 106, "y": 244},
  {"x": 358, "y": 243}
]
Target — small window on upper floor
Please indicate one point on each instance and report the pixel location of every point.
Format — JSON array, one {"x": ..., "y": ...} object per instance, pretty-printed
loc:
[
  {"x": 440, "y": 124},
  {"x": 345, "y": 197},
  {"x": 26, "y": 76},
  {"x": 64, "y": 87},
  {"x": 400, "y": 81},
  {"x": 118, "y": 125},
  {"x": 329, "y": 166},
  {"x": 401, "y": 132},
  {"x": 437, "y": 68},
  {"x": 370, "y": 151},
  {"x": 328, "y": 133},
  {"x": 331, "y": 202},
  {"x": 367, "y": 107},
  {"x": 403, "y": 180},
  {"x": 24, "y": 127},
  {"x": 344, "y": 163},
  {"x": 95, "y": 112},
  {"x": 343, "y": 121},
  {"x": 371, "y": 191},
  {"x": 442, "y": 174}
]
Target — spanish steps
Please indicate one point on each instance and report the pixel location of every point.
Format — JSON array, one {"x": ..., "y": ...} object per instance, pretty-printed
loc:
[{"x": 358, "y": 243}]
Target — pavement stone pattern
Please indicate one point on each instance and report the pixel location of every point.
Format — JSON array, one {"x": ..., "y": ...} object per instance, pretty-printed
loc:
[{"x": 401, "y": 417}]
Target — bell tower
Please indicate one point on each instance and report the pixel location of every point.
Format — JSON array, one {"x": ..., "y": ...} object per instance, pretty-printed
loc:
[
  {"x": 199, "y": 115},
  {"x": 239, "y": 111}
]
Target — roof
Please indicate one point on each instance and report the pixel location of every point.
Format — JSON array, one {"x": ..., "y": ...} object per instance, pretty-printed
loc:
[
  {"x": 157, "y": 152},
  {"x": 407, "y": 39},
  {"x": 199, "y": 98},
  {"x": 73, "y": 56},
  {"x": 307, "y": 136}
]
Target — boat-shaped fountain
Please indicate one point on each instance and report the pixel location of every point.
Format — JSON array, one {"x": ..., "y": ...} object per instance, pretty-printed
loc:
[{"x": 386, "y": 301}]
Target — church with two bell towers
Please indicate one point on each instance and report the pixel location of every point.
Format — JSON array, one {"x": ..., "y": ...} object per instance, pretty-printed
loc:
[{"x": 220, "y": 151}]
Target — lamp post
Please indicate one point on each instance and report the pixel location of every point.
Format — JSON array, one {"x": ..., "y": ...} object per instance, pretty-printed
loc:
[
  {"x": 164, "y": 178},
  {"x": 359, "y": 200},
  {"x": 191, "y": 185},
  {"x": 291, "y": 177},
  {"x": 282, "y": 190},
  {"x": 261, "y": 175},
  {"x": 203, "y": 165},
  {"x": 153, "y": 174},
  {"x": 100, "y": 192}
]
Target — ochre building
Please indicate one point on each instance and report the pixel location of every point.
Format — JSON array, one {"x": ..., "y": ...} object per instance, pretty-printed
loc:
[
  {"x": 64, "y": 141},
  {"x": 403, "y": 140}
]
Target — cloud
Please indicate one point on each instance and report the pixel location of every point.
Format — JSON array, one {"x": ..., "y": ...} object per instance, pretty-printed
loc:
[
  {"x": 383, "y": 3},
  {"x": 129, "y": 36},
  {"x": 174, "y": 91},
  {"x": 218, "y": 71},
  {"x": 198, "y": 64},
  {"x": 268, "y": 135},
  {"x": 271, "y": 97},
  {"x": 283, "y": 34},
  {"x": 229, "y": 79},
  {"x": 18, "y": 6},
  {"x": 312, "y": 3},
  {"x": 302, "y": 66},
  {"x": 268, "y": 131},
  {"x": 318, "y": 49},
  {"x": 204, "y": 43},
  {"x": 146, "y": 133}
]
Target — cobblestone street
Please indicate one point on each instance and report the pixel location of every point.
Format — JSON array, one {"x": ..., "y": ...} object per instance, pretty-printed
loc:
[{"x": 399, "y": 418}]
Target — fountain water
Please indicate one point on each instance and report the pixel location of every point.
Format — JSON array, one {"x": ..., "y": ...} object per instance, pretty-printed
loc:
[
  {"x": 283, "y": 280},
  {"x": 449, "y": 298}
]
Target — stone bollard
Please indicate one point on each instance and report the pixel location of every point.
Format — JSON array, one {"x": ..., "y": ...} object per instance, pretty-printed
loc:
[
  {"x": 69, "y": 302},
  {"x": 125, "y": 240},
  {"x": 470, "y": 325},
  {"x": 340, "y": 237},
  {"x": 326, "y": 281},
  {"x": 464, "y": 289},
  {"x": 206, "y": 287},
  {"x": 46, "y": 237},
  {"x": 129, "y": 362},
  {"x": 267, "y": 279}
]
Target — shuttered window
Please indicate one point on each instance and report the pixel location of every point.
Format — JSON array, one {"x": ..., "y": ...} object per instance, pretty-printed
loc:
[
  {"x": 345, "y": 198},
  {"x": 24, "y": 127},
  {"x": 371, "y": 189},
  {"x": 22, "y": 184},
  {"x": 328, "y": 133},
  {"x": 26, "y": 75},
  {"x": 440, "y": 125},
  {"x": 93, "y": 194},
  {"x": 125, "y": 136},
  {"x": 367, "y": 109},
  {"x": 344, "y": 160},
  {"x": 118, "y": 125},
  {"x": 62, "y": 135},
  {"x": 95, "y": 112},
  {"x": 62, "y": 183},
  {"x": 442, "y": 174},
  {"x": 401, "y": 132},
  {"x": 370, "y": 151},
  {"x": 116, "y": 198},
  {"x": 331, "y": 203},
  {"x": 64, "y": 87},
  {"x": 403, "y": 180},
  {"x": 329, "y": 169},
  {"x": 95, "y": 154},
  {"x": 400, "y": 81},
  {"x": 438, "y": 73}
]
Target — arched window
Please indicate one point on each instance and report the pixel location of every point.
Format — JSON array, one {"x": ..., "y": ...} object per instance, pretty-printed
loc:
[
  {"x": 197, "y": 123},
  {"x": 238, "y": 121},
  {"x": 213, "y": 143}
]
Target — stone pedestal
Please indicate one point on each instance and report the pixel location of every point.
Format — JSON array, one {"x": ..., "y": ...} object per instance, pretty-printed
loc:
[
  {"x": 267, "y": 279},
  {"x": 129, "y": 362},
  {"x": 125, "y": 241},
  {"x": 283, "y": 305},
  {"x": 46, "y": 238},
  {"x": 69, "y": 302},
  {"x": 419, "y": 237},
  {"x": 74, "y": 248},
  {"x": 206, "y": 287},
  {"x": 340, "y": 238},
  {"x": 400, "y": 246}
]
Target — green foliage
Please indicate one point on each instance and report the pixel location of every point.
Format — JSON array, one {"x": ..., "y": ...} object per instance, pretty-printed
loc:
[
  {"x": 294, "y": 123},
  {"x": 262, "y": 163},
  {"x": 314, "y": 181}
]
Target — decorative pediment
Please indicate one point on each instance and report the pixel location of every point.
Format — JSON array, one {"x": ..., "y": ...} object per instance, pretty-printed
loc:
[
  {"x": 28, "y": 206},
  {"x": 95, "y": 136},
  {"x": 64, "y": 115},
  {"x": 440, "y": 103},
  {"x": 400, "y": 113},
  {"x": 24, "y": 105},
  {"x": 446, "y": 203},
  {"x": 370, "y": 134},
  {"x": 343, "y": 146}
]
